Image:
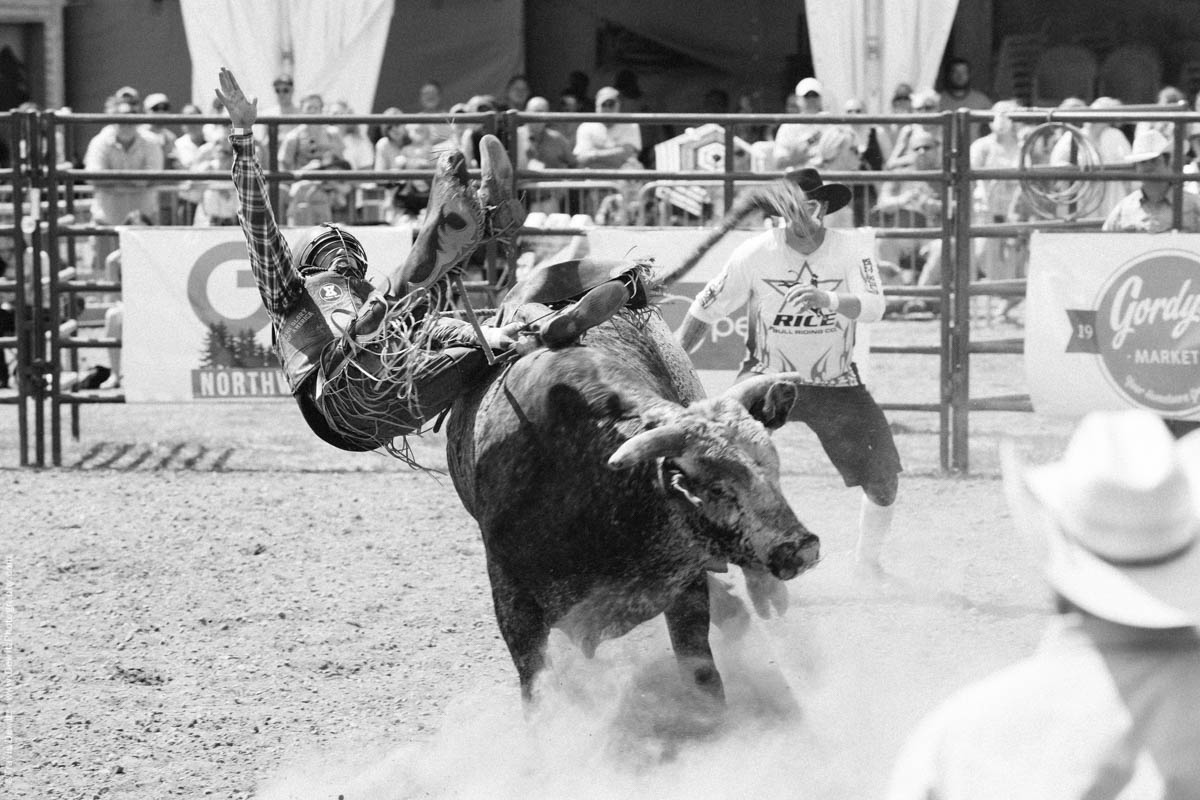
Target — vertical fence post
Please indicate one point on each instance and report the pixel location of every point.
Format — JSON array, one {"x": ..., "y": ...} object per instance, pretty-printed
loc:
[
  {"x": 47, "y": 130},
  {"x": 945, "y": 301},
  {"x": 1179, "y": 128},
  {"x": 37, "y": 364},
  {"x": 730, "y": 166},
  {"x": 19, "y": 138},
  {"x": 957, "y": 282}
]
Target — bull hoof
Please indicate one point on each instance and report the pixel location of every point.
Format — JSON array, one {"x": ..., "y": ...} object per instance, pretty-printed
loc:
[{"x": 708, "y": 680}]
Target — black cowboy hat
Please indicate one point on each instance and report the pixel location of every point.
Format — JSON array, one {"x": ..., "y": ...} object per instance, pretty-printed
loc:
[{"x": 833, "y": 195}]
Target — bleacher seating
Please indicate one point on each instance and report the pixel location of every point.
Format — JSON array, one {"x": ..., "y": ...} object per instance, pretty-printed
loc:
[
  {"x": 1132, "y": 73},
  {"x": 1064, "y": 70},
  {"x": 1015, "y": 64},
  {"x": 1189, "y": 78}
]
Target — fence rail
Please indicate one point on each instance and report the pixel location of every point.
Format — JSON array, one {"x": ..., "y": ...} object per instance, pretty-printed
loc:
[{"x": 45, "y": 209}]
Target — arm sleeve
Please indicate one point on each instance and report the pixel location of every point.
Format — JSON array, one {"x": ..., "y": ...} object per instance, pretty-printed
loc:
[
  {"x": 450, "y": 332},
  {"x": 725, "y": 293},
  {"x": 583, "y": 140},
  {"x": 863, "y": 281},
  {"x": 270, "y": 257},
  {"x": 632, "y": 135},
  {"x": 979, "y": 153},
  {"x": 93, "y": 160}
]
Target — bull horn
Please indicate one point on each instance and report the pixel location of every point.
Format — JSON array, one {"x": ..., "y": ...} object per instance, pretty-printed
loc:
[
  {"x": 666, "y": 441},
  {"x": 749, "y": 392}
]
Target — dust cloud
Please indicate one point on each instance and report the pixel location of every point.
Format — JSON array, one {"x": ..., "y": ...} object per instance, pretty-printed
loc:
[{"x": 621, "y": 725}]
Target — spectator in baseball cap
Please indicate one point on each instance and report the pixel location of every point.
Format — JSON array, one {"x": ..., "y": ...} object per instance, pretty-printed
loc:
[
  {"x": 128, "y": 94},
  {"x": 157, "y": 102},
  {"x": 809, "y": 87}
]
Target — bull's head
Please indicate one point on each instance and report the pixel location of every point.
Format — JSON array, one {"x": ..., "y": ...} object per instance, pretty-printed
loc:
[{"x": 717, "y": 459}]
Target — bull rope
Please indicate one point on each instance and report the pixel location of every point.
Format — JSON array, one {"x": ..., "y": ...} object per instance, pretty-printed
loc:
[{"x": 371, "y": 392}]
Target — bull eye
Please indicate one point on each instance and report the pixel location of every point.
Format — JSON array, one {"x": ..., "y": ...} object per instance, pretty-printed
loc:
[{"x": 675, "y": 481}]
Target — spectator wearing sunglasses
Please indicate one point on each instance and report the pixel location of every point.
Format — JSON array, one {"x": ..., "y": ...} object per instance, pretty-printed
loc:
[
  {"x": 926, "y": 101},
  {"x": 912, "y": 204},
  {"x": 820, "y": 146},
  {"x": 285, "y": 103},
  {"x": 121, "y": 146},
  {"x": 159, "y": 103},
  {"x": 608, "y": 144}
]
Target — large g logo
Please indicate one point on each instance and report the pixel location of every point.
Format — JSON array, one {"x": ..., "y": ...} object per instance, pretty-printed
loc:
[{"x": 198, "y": 289}]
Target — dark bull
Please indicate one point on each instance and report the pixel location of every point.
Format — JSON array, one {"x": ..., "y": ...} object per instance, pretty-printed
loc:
[{"x": 606, "y": 487}]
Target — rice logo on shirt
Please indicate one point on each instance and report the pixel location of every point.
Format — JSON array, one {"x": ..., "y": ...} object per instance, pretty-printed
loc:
[
  {"x": 789, "y": 318},
  {"x": 1145, "y": 331}
]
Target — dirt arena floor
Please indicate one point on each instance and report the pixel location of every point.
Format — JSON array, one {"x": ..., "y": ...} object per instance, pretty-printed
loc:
[{"x": 208, "y": 601}]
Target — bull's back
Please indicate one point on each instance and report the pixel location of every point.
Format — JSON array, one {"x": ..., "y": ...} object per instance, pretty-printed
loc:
[{"x": 562, "y": 412}]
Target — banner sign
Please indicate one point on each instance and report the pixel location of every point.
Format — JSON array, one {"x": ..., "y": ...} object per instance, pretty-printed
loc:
[
  {"x": 1113, "y": 322},
  {"x": 195, "y": 328}
]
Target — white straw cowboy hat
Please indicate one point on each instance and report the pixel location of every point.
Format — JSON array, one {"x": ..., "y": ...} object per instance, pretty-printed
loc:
[
  {"x": 1148, "y": 144},
  {"x": 1120, "y": 513}
]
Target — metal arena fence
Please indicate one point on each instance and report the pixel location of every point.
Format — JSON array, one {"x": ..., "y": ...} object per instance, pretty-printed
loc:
[{"x": 45, "y": 213}]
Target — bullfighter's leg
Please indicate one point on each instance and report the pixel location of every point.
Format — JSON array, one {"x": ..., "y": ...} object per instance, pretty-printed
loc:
[
  {"x": 687, "y": 623},
  {"x": 875, "y": 520},
  {"x": 523, "y": 626}
]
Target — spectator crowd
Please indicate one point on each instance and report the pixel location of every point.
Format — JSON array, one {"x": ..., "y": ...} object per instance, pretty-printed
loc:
[{"x": 602, "y": 140}]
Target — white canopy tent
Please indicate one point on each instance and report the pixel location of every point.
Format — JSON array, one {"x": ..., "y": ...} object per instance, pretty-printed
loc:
[
  {"x": 330, "y": 47},
  {"x": 863, "y": 48}
]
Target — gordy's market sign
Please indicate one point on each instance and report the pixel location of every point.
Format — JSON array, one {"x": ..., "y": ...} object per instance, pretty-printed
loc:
[{"x": 1145, "y": 330}]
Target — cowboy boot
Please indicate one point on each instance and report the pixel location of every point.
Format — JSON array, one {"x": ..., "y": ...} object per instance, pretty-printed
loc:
[
  {"x": 598, "y": 305},
  {"x": 504, "y": 213},
  {"x": 453, "y": 227}
]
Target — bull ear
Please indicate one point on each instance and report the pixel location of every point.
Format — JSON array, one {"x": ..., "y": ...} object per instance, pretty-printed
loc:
[
  {"x": 665, "y": 442},
  {"x": 768, "y": 398},
  {"x": 774, "y": 408}
]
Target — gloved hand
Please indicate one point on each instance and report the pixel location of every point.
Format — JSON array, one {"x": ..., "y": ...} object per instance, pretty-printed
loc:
[{"x": 503, "y": 338}]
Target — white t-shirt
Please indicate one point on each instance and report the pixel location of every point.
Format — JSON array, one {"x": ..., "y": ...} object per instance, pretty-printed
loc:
[
  {"x": 593, "y": 136},
  {"x": 783, "y": 338}
]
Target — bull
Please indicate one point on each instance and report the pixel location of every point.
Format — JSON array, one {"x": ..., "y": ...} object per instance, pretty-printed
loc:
[{"x": 606, "y": 487}]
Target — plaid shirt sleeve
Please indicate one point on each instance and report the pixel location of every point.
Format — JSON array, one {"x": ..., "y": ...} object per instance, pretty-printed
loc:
[{"x": 270, "y": 257}]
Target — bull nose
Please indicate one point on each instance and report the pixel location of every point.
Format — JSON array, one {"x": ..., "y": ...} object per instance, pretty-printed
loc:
[{"x": 789, "y": 559}]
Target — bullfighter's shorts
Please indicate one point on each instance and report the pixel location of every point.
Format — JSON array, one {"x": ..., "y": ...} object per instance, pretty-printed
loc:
[{"x": 852, "y": 430}]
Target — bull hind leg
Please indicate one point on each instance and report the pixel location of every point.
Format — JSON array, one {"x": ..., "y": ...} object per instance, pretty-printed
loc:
[
  {"x": 523, "y": 626},
  {"x": 687, "y": 623}
]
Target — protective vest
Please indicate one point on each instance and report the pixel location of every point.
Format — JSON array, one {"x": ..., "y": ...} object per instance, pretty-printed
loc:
[{"x": 328, "y": 305}]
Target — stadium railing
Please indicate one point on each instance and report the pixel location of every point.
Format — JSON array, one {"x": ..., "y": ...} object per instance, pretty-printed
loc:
[{"x": 37, "y": 183}]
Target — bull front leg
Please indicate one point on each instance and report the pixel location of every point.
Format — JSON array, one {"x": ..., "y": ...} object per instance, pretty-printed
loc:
[
  {"x": 687, "y": 623},
  {"x": 523, "y": 626}
]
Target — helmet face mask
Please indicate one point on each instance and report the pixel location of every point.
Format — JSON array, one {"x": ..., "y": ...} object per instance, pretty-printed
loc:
[{"x": 331, "y": 249}]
